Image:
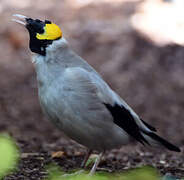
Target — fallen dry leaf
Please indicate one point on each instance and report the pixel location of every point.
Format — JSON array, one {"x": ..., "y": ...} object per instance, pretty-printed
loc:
[{"x": 57, "y": 154}]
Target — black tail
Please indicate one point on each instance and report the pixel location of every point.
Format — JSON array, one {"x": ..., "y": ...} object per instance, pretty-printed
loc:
[{"x": 165, "y": 143}]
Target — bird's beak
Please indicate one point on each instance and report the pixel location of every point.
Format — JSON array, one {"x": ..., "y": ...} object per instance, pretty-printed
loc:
[{"x": 22, "y": 19}]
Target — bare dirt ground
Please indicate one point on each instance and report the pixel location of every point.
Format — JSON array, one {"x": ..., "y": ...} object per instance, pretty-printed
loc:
[{"x": 149, "y": 77}]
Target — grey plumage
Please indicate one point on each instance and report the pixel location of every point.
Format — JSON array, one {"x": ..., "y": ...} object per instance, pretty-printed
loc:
[
  {"x": 73, "y": 95},
  {"x": 76, "y": 98}
]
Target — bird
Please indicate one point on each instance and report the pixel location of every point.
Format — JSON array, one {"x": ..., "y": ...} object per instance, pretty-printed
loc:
[{"x": 74, "y": 96}]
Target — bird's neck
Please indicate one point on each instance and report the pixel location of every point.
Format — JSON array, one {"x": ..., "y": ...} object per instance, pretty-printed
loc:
[
  {"x": 57, "y": 44},
  {"x": 52, "y": 51}
]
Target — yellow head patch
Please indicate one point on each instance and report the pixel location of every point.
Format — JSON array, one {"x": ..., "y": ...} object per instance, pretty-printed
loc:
[{"x": 52, "y": 32}]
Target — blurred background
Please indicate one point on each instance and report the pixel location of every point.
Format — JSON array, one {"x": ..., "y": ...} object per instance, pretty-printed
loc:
[{"x": 137, "y": 46}]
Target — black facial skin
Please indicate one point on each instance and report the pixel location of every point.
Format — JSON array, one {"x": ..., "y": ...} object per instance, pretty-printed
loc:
[{"x": 34, "y": 27}]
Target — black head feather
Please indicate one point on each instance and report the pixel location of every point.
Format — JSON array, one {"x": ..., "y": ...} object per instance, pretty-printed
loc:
[{"x": 34, "y": 27}]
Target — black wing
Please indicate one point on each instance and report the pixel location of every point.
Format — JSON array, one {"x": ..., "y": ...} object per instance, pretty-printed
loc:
[
  {"x": 149, "y": 126},
  {"x": 123, "y": 118}
]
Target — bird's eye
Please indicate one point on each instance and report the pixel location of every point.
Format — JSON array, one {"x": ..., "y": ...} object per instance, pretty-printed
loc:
[
  {"x": 38, "y": 26},
  {"x": 35, "y": 25}
]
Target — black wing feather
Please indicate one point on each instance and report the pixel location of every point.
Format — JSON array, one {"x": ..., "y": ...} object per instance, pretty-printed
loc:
[
  {"x": 123, "y": 118},
  {"x": 164, "y": 142},
  {"x": 149, "y": 126}
]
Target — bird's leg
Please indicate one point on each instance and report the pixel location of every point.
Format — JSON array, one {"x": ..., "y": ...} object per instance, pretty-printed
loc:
[
  {"x": 72, "y": 174},
  {"x": 86, "y": 158},
  {"x": 82, "y": 165},
  {"x": 96, "y": 163}
]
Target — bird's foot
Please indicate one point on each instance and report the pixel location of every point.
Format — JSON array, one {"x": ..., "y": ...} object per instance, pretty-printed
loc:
[
  {"x": 96, "y": 164},
  {"x": 104, "y": 169},
  {"x": 73, "y": 174}
]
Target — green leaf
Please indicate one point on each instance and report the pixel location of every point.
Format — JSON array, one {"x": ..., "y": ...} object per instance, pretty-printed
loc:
[{"x": 9, "y": 155}]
